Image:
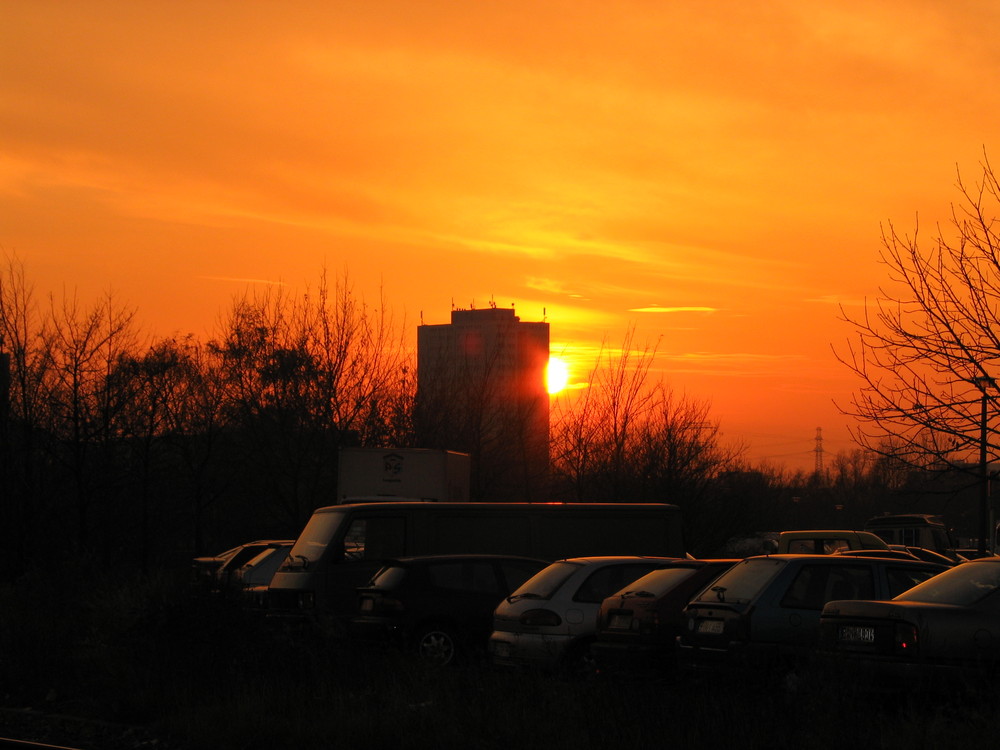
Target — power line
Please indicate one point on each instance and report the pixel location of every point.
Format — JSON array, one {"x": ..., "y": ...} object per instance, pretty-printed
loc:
[{"x": 819, "y": 450}]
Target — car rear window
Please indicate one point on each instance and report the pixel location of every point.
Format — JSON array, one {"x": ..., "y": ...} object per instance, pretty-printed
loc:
[
  {"x": 742, "y": 582},
  {"x": 658, "y": 582},
  {"x": 964, "y": 585},
  {"x": 388, "y": 577},
  {"x": 604, "y": 581},
  {"x": 547, "y": 581}
]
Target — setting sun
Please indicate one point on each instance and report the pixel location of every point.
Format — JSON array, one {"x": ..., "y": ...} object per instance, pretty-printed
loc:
[{"x": 556, "y": 374}]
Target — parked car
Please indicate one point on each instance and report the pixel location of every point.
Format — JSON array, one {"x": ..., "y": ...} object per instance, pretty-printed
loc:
[
  {"x": 440, "y": 606},
  {"x": 894, "y": 554},
  {"x": 947, "y": 627},
  {"x": 765, "y": 610},
  {"x": 637, "y": 627},
  {"x": 250, "y": 580},
  {"x": 219, "y": 570},
  {"x": 929, "y": 555},
  {"x": 971, "y": 553},
  {"x": 550, "y": 620}
]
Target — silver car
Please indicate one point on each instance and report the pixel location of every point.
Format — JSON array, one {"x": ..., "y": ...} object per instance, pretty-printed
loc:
[{"x": 550, "y": 620}]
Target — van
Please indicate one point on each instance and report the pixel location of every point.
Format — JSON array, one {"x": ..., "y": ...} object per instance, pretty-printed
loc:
[
  {"x": 914, "y": 530},
  {"x": 342, "y": 546}
]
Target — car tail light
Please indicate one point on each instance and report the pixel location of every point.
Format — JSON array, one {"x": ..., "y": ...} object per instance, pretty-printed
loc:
[
  {"x": 906, "y": 638},
  {"x": 387, "y": 604},
  {"x": 540, "y": 618}
]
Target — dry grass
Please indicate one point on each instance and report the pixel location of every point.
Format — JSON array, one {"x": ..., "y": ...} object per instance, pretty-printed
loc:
[{"x": 201, "y": 670}]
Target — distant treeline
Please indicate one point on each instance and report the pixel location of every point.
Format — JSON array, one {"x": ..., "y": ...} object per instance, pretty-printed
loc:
[{"x": 119, "y": 449}]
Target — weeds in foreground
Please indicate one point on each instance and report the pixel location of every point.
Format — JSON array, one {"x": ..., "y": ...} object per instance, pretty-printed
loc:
[{"x": 153, "y": 650}]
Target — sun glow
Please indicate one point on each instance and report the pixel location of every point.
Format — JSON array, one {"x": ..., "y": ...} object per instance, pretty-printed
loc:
[{"x": 556, "y": 374}]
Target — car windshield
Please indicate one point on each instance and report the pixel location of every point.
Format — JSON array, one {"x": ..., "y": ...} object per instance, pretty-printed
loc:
[
  {"x": 657, "y": 583},
  {"x": 546, "y": 582},
  {"x": 742, "y": 582},
  {"x": 314, "y": 539},
  {"x": 964, "y": 585}
]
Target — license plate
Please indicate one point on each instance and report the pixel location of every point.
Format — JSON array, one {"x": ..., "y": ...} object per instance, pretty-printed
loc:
[
  {"x": 710, "y": 627},
  {"x": 856, "y": 634},
  {"x": 620, "y": 622}
]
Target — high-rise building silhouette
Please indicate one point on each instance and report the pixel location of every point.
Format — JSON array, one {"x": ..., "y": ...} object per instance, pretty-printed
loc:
[{"x": 481, "y": 390}]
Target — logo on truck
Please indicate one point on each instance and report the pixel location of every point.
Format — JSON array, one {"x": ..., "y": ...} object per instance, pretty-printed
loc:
[{"x": 392, "y": 467}]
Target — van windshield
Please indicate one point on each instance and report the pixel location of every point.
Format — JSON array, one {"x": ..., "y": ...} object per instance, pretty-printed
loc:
[
  {"x": 742, "y": 583},
  {"x": 314, "y": 539}
]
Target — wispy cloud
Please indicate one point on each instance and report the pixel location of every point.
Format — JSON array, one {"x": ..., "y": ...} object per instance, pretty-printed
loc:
[{"x": 658, "y": 309}]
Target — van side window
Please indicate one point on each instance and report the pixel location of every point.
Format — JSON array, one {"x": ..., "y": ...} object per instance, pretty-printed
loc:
[
  {"x": 375, "y": 538},
  {"x": 802, "y": 547},
  {"x": 831, "y": 546}
]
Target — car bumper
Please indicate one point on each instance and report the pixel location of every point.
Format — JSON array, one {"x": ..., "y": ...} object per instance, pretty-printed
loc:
[
  {"x": 612, "y": 656},
  {"x": 528, "y": 649},
  {"x": 870, "y": 673},
  {"x": 744, "y": 655}
]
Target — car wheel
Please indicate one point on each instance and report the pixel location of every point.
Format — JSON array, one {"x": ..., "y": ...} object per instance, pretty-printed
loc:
[{"x": 437, "y": 646}]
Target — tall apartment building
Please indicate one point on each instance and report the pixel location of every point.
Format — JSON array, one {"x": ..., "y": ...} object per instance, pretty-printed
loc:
[{"x": 481, "y": 390}]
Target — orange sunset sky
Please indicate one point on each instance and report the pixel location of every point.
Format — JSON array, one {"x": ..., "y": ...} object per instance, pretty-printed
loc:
[{"x": 711, "y": 172}]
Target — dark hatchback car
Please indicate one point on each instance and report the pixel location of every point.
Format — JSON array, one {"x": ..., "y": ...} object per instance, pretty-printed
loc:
[
  {"x": 637, "y": 627},
  {"x": 943, "y": 631},
  {"x": 765, "y": 610},
  {"x": 439, "y": 607}
]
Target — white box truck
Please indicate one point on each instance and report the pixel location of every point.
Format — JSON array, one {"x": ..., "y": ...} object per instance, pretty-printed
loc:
[{"x": 367, "y": 475}]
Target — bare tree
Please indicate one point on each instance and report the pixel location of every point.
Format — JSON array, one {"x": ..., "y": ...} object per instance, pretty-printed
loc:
[
  {"x": 151, "y": 384},
  {"x": 626, "y": 438},
  {"x": 195, "y": 424},
  {"x": 23, "y": 336},
  {"x": 303, "y": 375},
  {"x": 85, "y": 400},
  {"x": 927, "y": 350}
]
